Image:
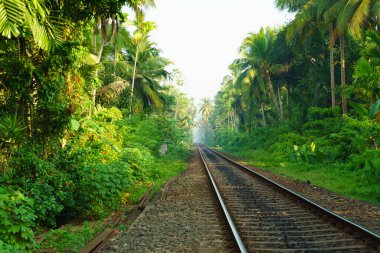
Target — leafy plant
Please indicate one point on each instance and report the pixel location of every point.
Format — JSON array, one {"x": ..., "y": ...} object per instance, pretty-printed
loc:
[
  {"x": 101, "y": 187},
  {"x": 310, "y": 154},
  {"x": 11, "y": 129},
  {"x": 70, "y": 238},
  {"x": 140, "y": 160},
  {"x": 372, "y": 113},
  {"x": 16, "y": 221},
  {"x": 368, "y": 163}
]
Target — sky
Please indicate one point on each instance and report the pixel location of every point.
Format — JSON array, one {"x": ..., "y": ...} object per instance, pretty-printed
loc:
[{"x": 202, "y": 37}]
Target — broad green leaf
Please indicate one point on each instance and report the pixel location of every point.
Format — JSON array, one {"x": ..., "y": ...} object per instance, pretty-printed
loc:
[
  {"x": 312, "y": 147},
  {"x": 75, "y": 124},
  {"x": 375, "y": 109},
  {"x": 359, "y": 109}
]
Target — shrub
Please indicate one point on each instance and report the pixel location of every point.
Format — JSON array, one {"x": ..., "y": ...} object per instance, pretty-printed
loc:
[
  {"x": 45, "y": 181},
  {"x": 367, "y": 165},
  {"x": 16, "y": 221},
  {"x": 145, "y": 132},
  {"x": 316, "y": 113},
  {"x": 311, "y": 154},
  {"x": 101, "y": 187},
  {"x": 140, "y": 160},
  {"x": 356, "y": 136}
]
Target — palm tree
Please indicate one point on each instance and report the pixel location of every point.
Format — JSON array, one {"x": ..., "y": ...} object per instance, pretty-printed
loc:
[
  {"x": 140, "y": 42},
  {"x": 358, "y": 13},
  {"x": 340, "y": 16},
  {"x": 307, "y": 21},
  {"x": 248, "y": 76},
  {"x": 102, "y": 22},
  {"x": 350, "y": 15},
  {"x": 291, "y": 5},
  {"x": 205, "y": 108},
  {"x": 256, "y": 51},
  {"x": 142, "y": 75}
]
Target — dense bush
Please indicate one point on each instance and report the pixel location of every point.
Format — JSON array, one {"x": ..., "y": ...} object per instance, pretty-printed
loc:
[
  {"x": 16, "y": 221},
  {"x": 368, "y": 163},
  {"x": 46, "y": 182},
  {"x": 326, "y": 138},
  {"x": 101, "y": 187},
  {"x": 356, "y": 136},
  {"x": 140, "y": 161}
]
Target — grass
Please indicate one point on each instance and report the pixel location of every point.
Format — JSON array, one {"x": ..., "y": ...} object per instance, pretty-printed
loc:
[
  {"x": 72, "y": 238},
  {"x": 334, "y": 177},
  {"x": 167, "y": 167}
]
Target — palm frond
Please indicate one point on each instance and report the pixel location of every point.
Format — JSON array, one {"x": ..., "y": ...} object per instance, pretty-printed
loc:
[
  {"x": 112, "y": 91},
  {"x": 12, "y": 15},
  {"x": 355, "y": 12}
]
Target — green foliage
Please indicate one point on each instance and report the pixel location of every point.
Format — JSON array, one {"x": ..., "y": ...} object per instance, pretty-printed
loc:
[
  {"x": 11, "y": 129},
  {"x": 316, "y": 113},
  {"x": 374, "y": 110},
  {"x": 50, "y": 186},
  {"x": 70, "y": 238},
  {"x": 16, "y": 221},
  {"x": 368, "y": 164},
  {"x": 101, "y": 187},
  {"x": 145, "y": 132},
  {"x": 140, "y": 160},
  {"x": 330, "y": 150},
  {"x": 355, "y": 137},
  {"x": 70, "y": 153},
  {"x": 311, "y": 154}
]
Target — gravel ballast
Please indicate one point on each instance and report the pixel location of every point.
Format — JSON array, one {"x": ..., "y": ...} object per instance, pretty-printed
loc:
[{"x": 183, "y": 217}]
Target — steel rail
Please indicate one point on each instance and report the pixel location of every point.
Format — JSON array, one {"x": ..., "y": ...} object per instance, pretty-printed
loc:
[
  {"x": 375, "y": 238},
  {"x": 230, "y": 222}
]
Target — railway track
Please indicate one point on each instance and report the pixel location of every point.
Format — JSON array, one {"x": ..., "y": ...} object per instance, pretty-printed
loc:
[{"x": 266, "y": 217}]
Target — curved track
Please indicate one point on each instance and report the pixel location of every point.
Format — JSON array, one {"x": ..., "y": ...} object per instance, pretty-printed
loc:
[{"x": 266, "y": 217}]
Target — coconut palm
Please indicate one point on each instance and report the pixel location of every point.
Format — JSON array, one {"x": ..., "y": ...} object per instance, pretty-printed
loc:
[
  {"x": 291, "y": 5},
  {"x": 358, "y": 13},
  {"x": 249, "y": 79},
  {"x": 103, "y": 20},
  {"x": 146, "y": 73},
  {"x": 205, "y": 108},
  {"x": 340, "y": 16},
  {"x": 256, "y": 52},
  {"x": 140, "y": 41},
  {"x": 306, "y": 22}
]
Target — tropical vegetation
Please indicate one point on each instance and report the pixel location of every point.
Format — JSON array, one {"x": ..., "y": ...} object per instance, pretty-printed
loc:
[
  {"x": 281, "y": 109},
  {"x": 86, "y": 102}
]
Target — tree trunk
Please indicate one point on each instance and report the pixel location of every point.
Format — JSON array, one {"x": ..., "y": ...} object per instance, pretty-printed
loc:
[
  {"x": 92, "y": 106},
  {"x": 115, "y": 60},
  {"x": 343, "y": 73},
  {"x": 263, "y": 114},
  {"x": 100, "y": 52},
  {"x": 287, "y": 100},
  {"x": 332, "y": 77},
  {"x": 176, "y": 109},
  {"x": 30, "y": 118},
  {"x": 22, "y": 46},
  {"x": 280, "y": 102},
  {"x": 133, "y": 82},
  {"x": 332, "y": 67},
  {"x": 273, "y": 95},
  {"x": 94, "y": 41}
]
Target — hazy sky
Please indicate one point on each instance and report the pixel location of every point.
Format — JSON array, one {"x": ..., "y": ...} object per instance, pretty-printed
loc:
[{"x": 202, "y": 36}]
